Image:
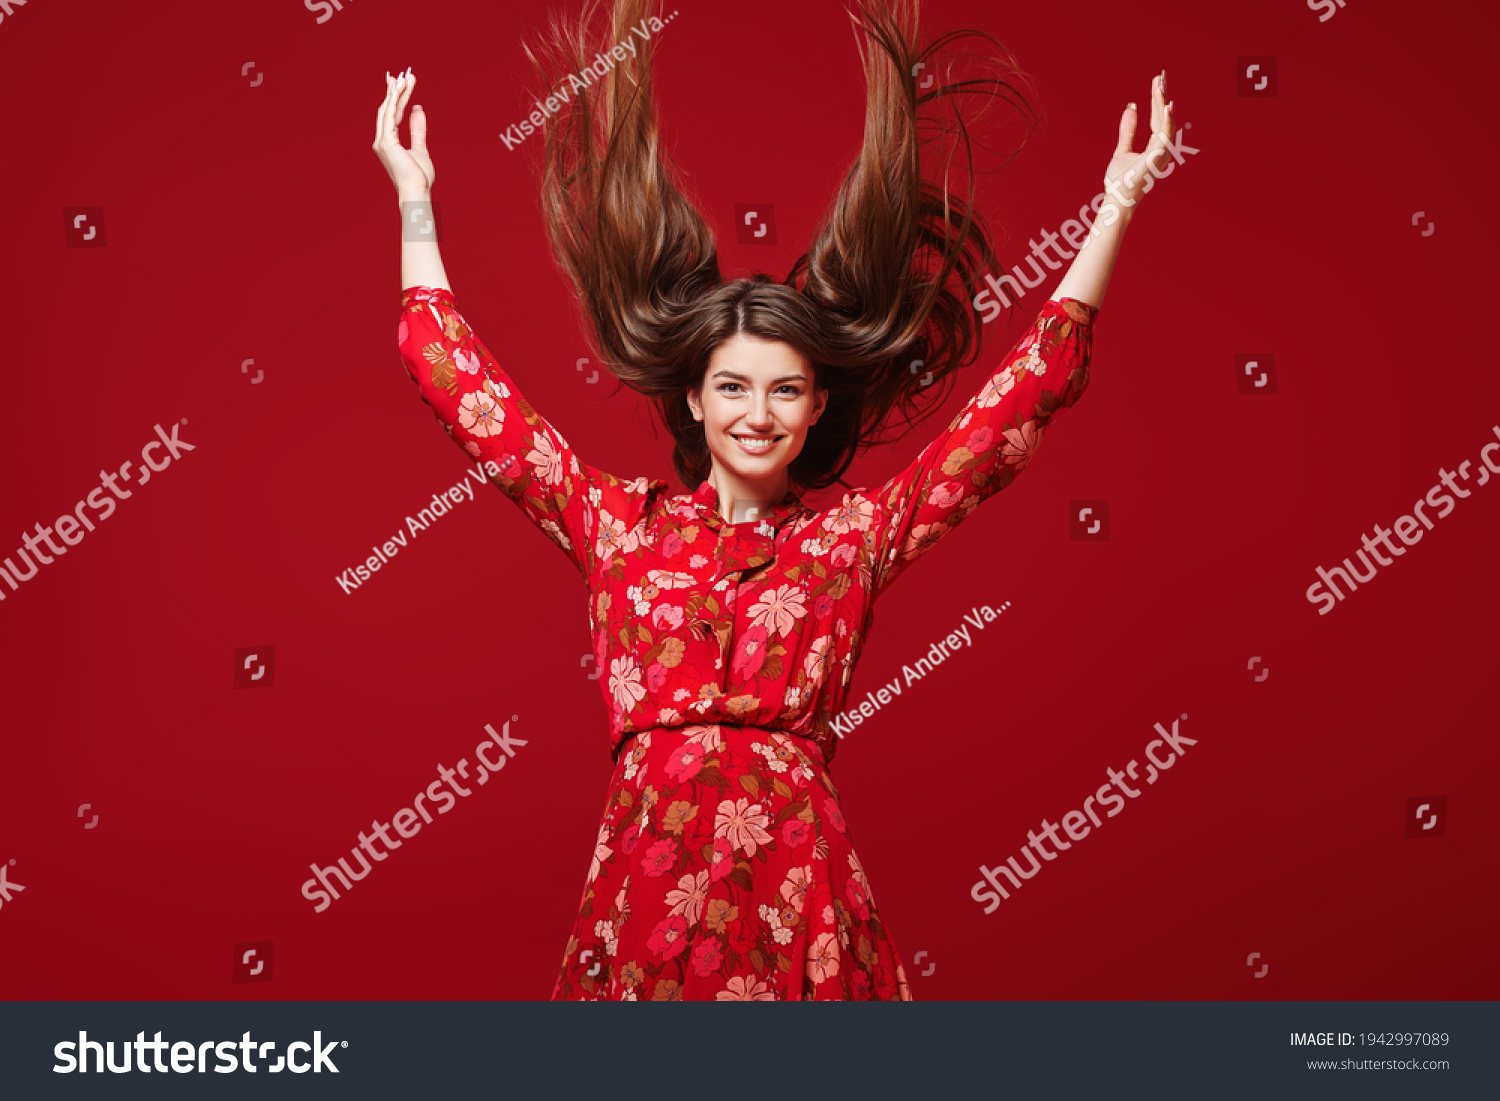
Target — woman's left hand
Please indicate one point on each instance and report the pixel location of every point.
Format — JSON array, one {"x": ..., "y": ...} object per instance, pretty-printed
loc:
[{"x": 1129, "y": 176}]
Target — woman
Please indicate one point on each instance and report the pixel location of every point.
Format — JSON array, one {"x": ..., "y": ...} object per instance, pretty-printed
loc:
[{"x": 728, "y": 620}]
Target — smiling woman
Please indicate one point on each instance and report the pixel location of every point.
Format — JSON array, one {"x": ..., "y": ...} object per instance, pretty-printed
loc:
[
  {"x": 758, "y": 402},
  {"x": 729, "y": 619}
]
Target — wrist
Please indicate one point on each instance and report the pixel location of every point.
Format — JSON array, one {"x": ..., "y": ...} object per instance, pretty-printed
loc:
[{"x": 414, "y": 195}]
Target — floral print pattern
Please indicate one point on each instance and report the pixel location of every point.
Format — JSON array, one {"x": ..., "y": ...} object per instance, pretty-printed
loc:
[{"x": 723, "y": 867}]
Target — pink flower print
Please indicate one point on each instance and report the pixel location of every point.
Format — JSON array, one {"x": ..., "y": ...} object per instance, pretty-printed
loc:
[
  {"x": 742, "y": 823},
  {"x": 684, "y": 762},
  {"x": 795, "y": 833},
  {"x": 669, "y": 937},
  {"x": 510, "y": 466},
  {"x": 629, "y": 838},
  {"x": 614, "y": 536},
  {"x": 780, "y": 608},
  {"x": 467, "y": 361},
  {"x": 819, "y": 657},
  {"x": 948, "y": 494},
  {"x": 823, "y": 958},
  {"x": 750, "y": 654},
  {"x": 834, "y": 816},
  {"x": 745, "y": 988},
  {"x": 625, "y": 683},
  {"x": 480, "y": 414},
  {"x": 546, "y": 459},
  {"x": 852, "y": 514},
  {"x": 659, "y": 857},
  {"x": 602, "y": 852},
  {"x": 672, "y": 545},
  {"x": 859, "y": 898},
  {"x": 722, "y": 861},
  {"x": 795, "y": 887},
  {"x": 980, "y": 439},
  {"x": 707, "y": 957},
  {"x": 656, "y": 676},
  {"x": 688, "y": 897},
  {"x": 842, "y": 555},
  {"x": 666, "y": 616},
  {"x": 1021, "y": 444},
  {"x": 995, "y": 389}
]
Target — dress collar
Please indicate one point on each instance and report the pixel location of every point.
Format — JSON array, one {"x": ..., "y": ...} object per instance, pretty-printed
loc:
[{"x": 706, "y": 500}]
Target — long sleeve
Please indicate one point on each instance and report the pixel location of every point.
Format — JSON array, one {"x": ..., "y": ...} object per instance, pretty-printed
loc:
[
  {"x": 991, "y": 441},
  {"x": 585, "y": 511}
]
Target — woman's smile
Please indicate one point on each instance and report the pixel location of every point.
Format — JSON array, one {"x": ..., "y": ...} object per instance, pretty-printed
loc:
[{"x": 756, "y": 444}]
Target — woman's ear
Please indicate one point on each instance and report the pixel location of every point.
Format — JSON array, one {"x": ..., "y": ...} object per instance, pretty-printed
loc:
[
  {"x": 820, "y": 404},
  {"x": 694, "y": 405}
]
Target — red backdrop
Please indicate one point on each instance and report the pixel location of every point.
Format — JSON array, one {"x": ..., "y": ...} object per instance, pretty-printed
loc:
[{"x": 246, "y": 218}]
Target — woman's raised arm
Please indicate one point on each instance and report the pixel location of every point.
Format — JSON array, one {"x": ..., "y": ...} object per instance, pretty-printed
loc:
[
  {"x": 585, "y": 511},
  {"x": 997, "y": 434}
]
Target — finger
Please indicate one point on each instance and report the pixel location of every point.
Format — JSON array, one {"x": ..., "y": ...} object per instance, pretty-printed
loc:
[
  {"x": 405, "y": 87},
  {"x": 380, "y": 112},
  {"x": 383, "y": 127},
  {"x": 1127, "y": 129},
  {"x": 1158, "y": 102},
  {"x": 418, "y": 130}
]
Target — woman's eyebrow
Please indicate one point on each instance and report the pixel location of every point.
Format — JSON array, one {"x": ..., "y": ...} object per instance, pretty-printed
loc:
[{"x": 726, "y": 373}]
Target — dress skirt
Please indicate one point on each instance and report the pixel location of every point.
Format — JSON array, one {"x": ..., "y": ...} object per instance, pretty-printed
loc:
[{"x": 725, "y": 870}]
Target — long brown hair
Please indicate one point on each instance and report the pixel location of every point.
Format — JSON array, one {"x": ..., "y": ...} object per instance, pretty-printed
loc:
[{"x": 874, "y": 293}]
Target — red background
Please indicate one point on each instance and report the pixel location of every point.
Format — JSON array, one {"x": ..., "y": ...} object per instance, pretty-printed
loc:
[{"x": 257, "y": 223}]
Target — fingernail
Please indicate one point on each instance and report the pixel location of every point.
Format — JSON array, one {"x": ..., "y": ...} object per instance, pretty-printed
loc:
[{"x": 1131, "y": 106}]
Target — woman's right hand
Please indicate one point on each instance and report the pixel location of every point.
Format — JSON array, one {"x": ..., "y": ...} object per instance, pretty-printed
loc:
[{"x": 410, "y": 169}]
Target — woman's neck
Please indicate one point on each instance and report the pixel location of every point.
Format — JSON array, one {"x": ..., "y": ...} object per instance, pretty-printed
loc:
[{"x": 743, "y": 499}]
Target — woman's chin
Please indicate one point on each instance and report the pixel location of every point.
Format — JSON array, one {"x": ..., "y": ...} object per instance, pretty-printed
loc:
[{"x": 752, "y": 468}]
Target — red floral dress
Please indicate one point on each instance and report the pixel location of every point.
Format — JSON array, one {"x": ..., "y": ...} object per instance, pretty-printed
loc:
[{"x": 723, "y": 867}]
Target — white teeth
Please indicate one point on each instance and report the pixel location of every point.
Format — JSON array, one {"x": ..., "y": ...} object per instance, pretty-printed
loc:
[{"x": 756, "y": 443}]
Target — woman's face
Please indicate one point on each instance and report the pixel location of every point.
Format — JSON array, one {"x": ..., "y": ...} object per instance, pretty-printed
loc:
[{"x": 756, "y": 403}]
